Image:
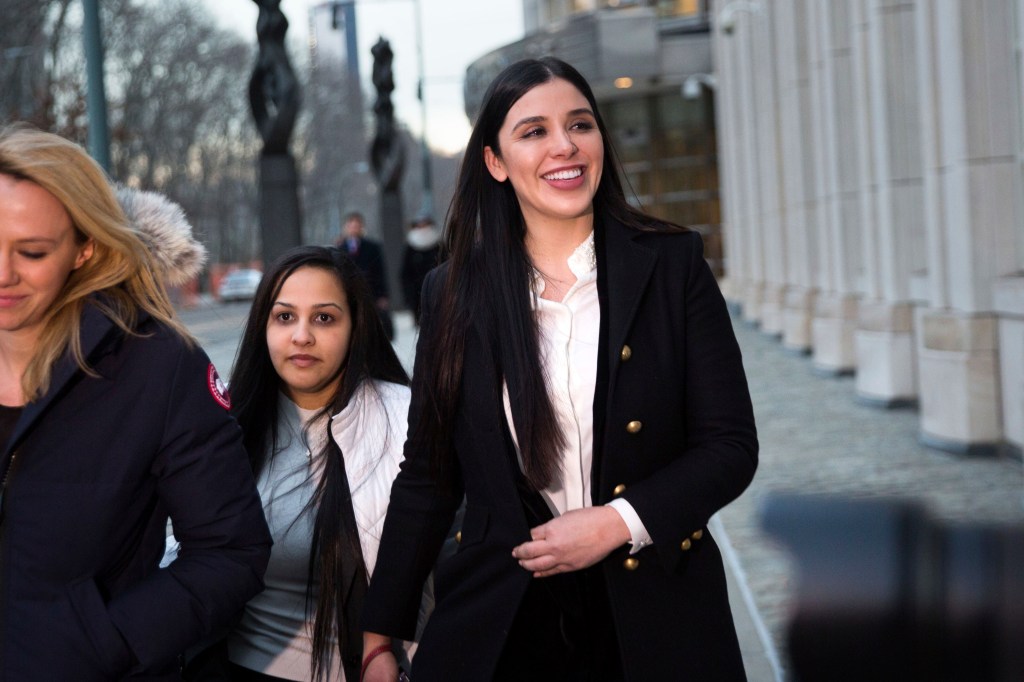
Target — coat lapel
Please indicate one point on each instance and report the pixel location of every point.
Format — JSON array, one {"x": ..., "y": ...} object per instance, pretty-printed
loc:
[
  {"x": 624, "y": 271},
  {"x": 627, "y": 271}
]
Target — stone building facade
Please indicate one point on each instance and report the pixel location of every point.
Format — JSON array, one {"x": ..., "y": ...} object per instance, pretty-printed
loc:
[{"x": 870, "y": 158}]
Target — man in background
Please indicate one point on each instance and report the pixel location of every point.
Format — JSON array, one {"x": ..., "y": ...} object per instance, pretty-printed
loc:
[{"x": 369, "y": 257}]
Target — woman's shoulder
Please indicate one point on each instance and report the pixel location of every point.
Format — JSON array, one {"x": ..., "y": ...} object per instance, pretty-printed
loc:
[
  {"x": 147, "y": 335},
  {"x": 159, "y": 337},
  {"x": 376, "y": 414},
  {"x": 673, "y": 244},
  {"x": 392, "y": 394},
  {"x": 671, "y": 235},
  {"x": 374, "y": 397}
]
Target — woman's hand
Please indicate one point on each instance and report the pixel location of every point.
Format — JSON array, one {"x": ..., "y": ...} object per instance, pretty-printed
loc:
[
  {"x": 379, "y": 664},
  {"x": 575, "y": 540}
]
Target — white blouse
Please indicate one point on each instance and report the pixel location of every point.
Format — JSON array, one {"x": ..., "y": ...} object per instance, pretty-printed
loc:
[{"x": 569, "y": 331}]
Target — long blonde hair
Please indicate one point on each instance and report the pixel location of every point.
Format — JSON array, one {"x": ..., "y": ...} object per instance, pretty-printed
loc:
[{"x": 120, "y": 268}]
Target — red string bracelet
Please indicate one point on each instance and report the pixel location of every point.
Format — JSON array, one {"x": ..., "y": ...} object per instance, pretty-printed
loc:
[{"x": 382, "y": 649}]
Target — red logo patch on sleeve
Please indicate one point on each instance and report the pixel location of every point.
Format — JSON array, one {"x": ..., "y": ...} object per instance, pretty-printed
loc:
[{"x": 218, "y": 389}]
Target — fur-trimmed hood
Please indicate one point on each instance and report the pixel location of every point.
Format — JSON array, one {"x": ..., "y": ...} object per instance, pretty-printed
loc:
[{"x": 176, "y": 255}]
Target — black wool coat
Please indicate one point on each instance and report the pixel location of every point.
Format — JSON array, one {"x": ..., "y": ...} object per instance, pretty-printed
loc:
[
  {"x": 94, "y": 469},
  {"x": 674, "y": 435}
]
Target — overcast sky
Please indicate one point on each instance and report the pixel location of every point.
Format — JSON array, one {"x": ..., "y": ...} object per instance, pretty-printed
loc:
[{"x": 455, "y": 32}]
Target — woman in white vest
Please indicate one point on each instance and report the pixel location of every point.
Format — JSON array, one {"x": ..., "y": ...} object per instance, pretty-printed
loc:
[{"x": 322, "y": 400}]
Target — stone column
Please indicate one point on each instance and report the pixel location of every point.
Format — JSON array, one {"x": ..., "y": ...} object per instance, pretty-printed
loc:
[
  {"x": 835, "y": 310},
  {"x": 734, "y": 240},
  {"x": 970, "y": 104},
  {"x": 894, "y": 240},
  {"x": 1009, "y": 306},
  {"x": 747, "y": 159},
  {"x": 771, "y": 220},
  {"x": 790, "y": 20}
]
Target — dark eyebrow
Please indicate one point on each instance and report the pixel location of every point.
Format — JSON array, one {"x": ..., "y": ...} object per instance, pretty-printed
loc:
[
  {"x": 286, "y": 304},
  {"x": 540, "y": 119},
  {"x": 528, "y": 120}
]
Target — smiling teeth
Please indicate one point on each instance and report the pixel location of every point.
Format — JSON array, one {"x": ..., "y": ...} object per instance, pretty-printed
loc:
[{"x": 565, "y": 174}]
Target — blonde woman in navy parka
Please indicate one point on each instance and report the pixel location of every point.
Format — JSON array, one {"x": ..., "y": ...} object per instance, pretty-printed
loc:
[{"x": 112, "y": 420}]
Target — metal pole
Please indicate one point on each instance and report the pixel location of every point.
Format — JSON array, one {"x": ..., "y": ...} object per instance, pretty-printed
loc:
[
  {"x": 352, "y": 43},
  {"x": 348, "y": 6},
  {"x": 96, "y": 99},
  {"x": 428, "y": 193}
]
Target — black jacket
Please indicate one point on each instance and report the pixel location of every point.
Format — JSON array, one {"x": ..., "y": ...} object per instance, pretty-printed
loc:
[
  {"x": 369, "y": 257},
  {"x": 672, "y": 365},
  {"x": 99, "y": 464},
  {"x": 416, "y": 263}
]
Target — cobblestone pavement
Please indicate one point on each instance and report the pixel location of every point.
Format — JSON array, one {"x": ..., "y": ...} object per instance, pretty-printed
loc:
[{"x": 815, "y": 438}]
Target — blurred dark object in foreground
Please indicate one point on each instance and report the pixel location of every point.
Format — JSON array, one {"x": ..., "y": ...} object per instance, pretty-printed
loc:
[{"x": 887, "y": 593}]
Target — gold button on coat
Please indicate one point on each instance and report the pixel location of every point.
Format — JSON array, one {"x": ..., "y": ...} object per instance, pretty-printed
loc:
[
  {"x": 619, "y": 489},
  {"x": 697, "y": 534},
  {"x": 631, "y": 563},
  {"x": 458, "y": 536},
  {"x": 686, "y": 544},
  {"x": 626, "y": 353},
  {"x": 634, "y": 426}
]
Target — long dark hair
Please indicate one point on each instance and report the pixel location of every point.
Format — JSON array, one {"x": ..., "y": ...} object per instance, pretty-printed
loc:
[
  {"x": 488, "y": 278},
  {"x": 254, "y": 391}
]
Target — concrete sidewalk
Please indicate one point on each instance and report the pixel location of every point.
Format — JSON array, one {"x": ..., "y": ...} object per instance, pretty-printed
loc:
[{"x": 815, "y": 438}]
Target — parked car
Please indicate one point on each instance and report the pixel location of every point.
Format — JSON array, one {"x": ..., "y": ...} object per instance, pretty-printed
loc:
[{"x": 239, "y": 285}]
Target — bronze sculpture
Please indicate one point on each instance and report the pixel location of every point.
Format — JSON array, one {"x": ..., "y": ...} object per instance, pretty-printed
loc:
[
  {"x": 274, "y": 98},
  {"x": 273, "y": 88},
  {"x": 387, "y": 158},
  {"x": 386, "y": 153}
]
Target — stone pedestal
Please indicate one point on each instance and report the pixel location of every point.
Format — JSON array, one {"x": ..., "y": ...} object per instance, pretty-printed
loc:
[
  {"x": 279, "y": 206},
  {"x": 832, "y": 334},
  {"x": 959, "y": 369},
  {"x": 392, "y": 232},
  {"x": 884, "y": 344},
  {"x": 797, "y": 314},
  {"x": 732, "y": 292},
  {"x": 1009, "y": 304},
  {"x": 772, "y": 305},
  {"x": 730, "y": 289},
  {"x": 753, "y": 294}
]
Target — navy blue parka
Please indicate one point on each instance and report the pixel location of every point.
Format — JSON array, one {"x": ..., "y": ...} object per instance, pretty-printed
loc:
[{"x": 94, "y": 469}]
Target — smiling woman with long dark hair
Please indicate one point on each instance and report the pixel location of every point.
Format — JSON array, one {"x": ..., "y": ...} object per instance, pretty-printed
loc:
[{"x": 578, "y": 382}]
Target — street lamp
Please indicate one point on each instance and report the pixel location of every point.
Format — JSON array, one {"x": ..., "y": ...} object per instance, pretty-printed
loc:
[
  {"x": 348, "y": 5},
  {"x": 339, "y": 8},
  {"x": 96, "y": 97},
  {"x": 428, "y": 184}
]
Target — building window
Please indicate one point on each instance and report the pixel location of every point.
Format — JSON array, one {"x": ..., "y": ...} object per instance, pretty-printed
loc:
[
  {"x": 669, "y": 160},
  {"x": 682, "y": 8}
]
